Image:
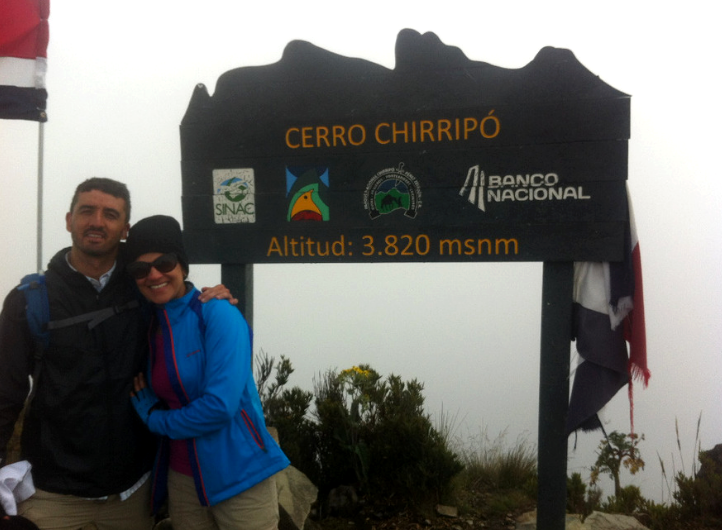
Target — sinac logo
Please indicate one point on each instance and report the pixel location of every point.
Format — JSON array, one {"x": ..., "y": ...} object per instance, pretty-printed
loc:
[{"x": 236, "y": 191}]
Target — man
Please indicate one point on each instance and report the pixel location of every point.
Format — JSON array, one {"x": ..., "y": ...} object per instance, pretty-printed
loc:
[{"x": 90, "y": 453}]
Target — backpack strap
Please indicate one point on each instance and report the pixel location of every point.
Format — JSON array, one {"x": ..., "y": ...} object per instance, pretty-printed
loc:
[
  {"x": 37, "y": 311},
  {"x": 37, "y": 306},
  {"x": 197, "y": 306},
  {"x": 93, "y": 317}
]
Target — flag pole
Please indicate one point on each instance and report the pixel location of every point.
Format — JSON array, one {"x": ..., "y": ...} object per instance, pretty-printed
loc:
[{"x": 39, "y": 243}]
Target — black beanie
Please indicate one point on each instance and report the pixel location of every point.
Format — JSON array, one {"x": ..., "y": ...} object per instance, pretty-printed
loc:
[{"x": 158, "y": 233}]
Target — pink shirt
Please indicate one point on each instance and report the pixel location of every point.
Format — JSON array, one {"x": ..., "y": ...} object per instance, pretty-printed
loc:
[{"x": 179, "y": 458}]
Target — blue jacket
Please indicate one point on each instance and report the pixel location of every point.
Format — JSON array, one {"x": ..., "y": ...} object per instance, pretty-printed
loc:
[{"x": 208, "y": 359}]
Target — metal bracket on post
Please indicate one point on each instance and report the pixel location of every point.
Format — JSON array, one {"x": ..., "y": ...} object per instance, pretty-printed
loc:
[{"x": 554, "y": 394}]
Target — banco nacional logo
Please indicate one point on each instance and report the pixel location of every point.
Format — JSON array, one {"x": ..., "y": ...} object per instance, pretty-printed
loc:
[{"x": 484, "y": 190}]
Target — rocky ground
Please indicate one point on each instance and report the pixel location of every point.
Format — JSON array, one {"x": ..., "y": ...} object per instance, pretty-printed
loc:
[
  {"x": 475, "y": 514},
  {"x": 405, "y": 520},
  {"x": 408, "y": 521}
]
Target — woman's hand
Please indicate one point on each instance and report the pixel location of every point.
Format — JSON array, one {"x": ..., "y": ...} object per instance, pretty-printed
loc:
[
  {"x": 143, "y": 398},
  {"x": 139, "y": 383}
]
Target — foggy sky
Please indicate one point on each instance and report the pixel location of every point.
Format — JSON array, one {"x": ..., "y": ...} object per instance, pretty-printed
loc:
[{"x": 121, "y": 76}]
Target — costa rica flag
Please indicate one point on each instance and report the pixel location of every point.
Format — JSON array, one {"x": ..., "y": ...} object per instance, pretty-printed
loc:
[
  {"x": 23, "y": 59},
  {"x": 608, "y": 315}
]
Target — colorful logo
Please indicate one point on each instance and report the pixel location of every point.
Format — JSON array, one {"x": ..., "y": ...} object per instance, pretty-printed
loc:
[
  {"x": 307, "y": 188},
  {"x": 234, "y": 196},
  {"x": 392, "y": 189}
]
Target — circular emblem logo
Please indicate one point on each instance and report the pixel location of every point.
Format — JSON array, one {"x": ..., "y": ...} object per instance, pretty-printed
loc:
[{"x": 392, "y": 189}]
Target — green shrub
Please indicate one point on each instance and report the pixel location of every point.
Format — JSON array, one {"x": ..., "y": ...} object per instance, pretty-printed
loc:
[
  {"x": 617, "y": 450},
  {"x": 377, "y": 433},
  {"x": 709, "y": 487},
  {"x": 506, "y": 474},
  {"x": 409, "y": 456},
  {"x": 628, "y": 501},
  {"x": 660, "y": 516},
  {"x": 493, "y": 465},
  {"x": 363, "y": 431},
  {"x": 687, "y": 497},
  {"x": 342, "y": 415},
  {"x": 288, "y": 411},
  {"x": 700, "y": 497},
  {"x": 696, "y": 497},
  {"x": 576, "y": 494},
  {"x": 594, "y": 499}
]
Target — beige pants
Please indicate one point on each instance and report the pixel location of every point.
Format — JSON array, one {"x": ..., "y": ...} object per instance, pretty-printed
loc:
[
  {"x": 52, "y": 511},
  {"x": 253, "y": 509}
]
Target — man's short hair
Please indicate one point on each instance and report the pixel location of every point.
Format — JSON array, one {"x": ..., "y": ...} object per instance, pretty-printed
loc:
[{"x": 109, "y": 186}]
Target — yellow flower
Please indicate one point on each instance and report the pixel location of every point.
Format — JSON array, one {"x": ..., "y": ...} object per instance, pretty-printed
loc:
[{"x": 357, "y": 371}]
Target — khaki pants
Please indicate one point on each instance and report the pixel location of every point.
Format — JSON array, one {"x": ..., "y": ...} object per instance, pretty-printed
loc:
[
  {"x": 52, "y": 511},
  {"x": 253, "y": 509}
]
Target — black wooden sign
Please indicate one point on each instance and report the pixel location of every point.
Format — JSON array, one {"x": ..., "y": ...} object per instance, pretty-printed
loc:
[{"x": 324, "y": 158}]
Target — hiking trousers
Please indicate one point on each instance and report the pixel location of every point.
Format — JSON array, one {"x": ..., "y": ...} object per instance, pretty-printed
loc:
[
  {"x": 53, "y": 511},
  {"x": 253, "y": 509}
]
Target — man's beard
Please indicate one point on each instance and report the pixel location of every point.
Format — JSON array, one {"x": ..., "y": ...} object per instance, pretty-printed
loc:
[{"x": 91, "y": 250}]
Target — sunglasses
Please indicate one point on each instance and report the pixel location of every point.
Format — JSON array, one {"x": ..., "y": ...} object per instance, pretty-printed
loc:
[{"x": 163, "y": 264}]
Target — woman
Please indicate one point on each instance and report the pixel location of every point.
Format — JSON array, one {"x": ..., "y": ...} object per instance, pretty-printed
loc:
[{"x": 216, "y": 450}]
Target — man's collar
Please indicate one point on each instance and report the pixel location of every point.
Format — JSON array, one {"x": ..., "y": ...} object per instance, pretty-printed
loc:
[{"x": 102, "y": 281}]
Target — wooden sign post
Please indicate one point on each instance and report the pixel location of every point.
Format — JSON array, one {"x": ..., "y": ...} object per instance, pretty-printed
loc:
[{"x": 321, "y": 158}]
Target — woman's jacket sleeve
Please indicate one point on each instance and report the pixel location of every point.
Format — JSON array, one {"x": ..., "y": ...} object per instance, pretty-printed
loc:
[{"x": 226, "y": 373}]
